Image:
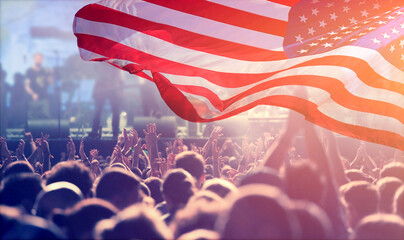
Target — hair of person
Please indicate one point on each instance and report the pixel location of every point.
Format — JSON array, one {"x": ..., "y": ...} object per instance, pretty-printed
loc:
[
  {"x": 18, "y": 167},
  {"x": 358, "y": 175},
  {"x": 314, "y": 222},
  {"x": 393, "y": 169},
  {"x": 119, "y": 188},
  {"x": 58, "y": 195},
  {"x": 178, "y": 186},
  {"x": 73, "y": 172},
  {"x": 200, "y": 234},
  {"x": 360, "y": 197},
  {"x": 82, "y": 218},
  {"x": 154, "y": 185},
  {"x": 191, "y": 162},
  {"x": 303, "y": 181},
  {"x": 16, "y": 225},
  {"x": 145, "y": 189},
  {"x": 380, "y": 226},
  {"x": 398, "y": 205},
  {"x": 387, "y": 188},
  {"x": 135, "y": 222},
  {"x": 196, "y": 215},
  {"x": 21, "y": 190},
  {"x": 219, "y": 186},
  {"x": 259, "y": 212},
  {"x": 263, "y": 175}
]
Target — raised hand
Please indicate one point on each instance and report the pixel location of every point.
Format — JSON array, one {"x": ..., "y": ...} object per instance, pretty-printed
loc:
[
  {"x": 5, "y": 153},
  {"x": 215, "y": 159},
  {"x": 216, "y": 132},
  {"x": 94, "y": 154},
  {"x": 20, "y": 150},
  {"x": 151, "y": 140},
  {"x": 71, "y": 149}
]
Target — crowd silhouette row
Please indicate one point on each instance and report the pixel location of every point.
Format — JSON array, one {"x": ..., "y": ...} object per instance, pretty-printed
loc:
[{"x": 254, "y": 190}]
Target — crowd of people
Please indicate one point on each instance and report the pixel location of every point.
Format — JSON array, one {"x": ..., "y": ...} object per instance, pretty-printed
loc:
[{"x": 262, "y": 189}]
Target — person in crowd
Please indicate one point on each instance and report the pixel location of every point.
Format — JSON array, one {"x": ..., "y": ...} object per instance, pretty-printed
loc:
[
  {"x": 108, "y": 87},
  {"x": 37, "y": 82},
  {"x": 216, "y": 190}
]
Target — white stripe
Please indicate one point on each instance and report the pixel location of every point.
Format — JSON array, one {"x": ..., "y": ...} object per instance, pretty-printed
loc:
[
  {"x": 169, "y": 51},
  {"x": 348, "y": 77},
  {"x": 325, "y": 105},
  {"x": 192, "y": 23},
  {"x": 259, "y": 7}
]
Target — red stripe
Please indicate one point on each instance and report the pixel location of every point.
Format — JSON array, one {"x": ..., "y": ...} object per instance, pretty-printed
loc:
[
  {"x": 115, "y": 50},
  {"x": 186, "y": 110},
  {"x": 178, "y": 36},
  {"x": 335, "y": 88},
  {"x": 289, "y": 3},
  {"x": 227, "y": 15}
]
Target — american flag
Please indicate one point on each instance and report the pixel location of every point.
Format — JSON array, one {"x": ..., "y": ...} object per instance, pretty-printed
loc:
[{"x": 213, "y": 59}]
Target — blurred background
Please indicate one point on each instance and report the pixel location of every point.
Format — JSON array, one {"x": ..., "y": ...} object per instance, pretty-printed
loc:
[
  {"x": 44, "y": 28},
  {"x": 38, "y": 34}
]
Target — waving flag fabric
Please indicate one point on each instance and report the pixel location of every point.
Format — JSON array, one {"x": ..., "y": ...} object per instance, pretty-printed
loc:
[{"x": 212, "y": 59}]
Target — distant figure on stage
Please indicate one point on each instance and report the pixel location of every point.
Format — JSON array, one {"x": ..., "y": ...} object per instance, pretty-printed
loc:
[
  {"x": 38, "y": 80},
  {"x": 108, "y": 86}
]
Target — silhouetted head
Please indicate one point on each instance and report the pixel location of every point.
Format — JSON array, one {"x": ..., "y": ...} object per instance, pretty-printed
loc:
[
  {"x": 263, "y": 175},
  {"x": 18, "y": 167},
  {"x": 73, "y": 172},
  {"x": 154, "y": 185},
  {"x": 259, "y": 212},
  {"x": 398, "y": 205},
  {"x": 21, "y": 190},
  {"x": 380, "y": 226},
  {"x": 118, "y": 187},
  {"x": 193, "y": 163},
  {"x": 393, "y": 169},
  {"x": 58, "y": 195},
  {"x": 135, "y": 222},
  {"x": 361, "y": 199},
  {"x": 219, "y": 186},
  {"x": 387, "y": 188},
  {"x": 178, "y": 186}
]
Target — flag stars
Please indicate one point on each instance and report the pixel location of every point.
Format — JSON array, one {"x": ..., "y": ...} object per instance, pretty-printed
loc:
[
  {"x": 402, "y": 57},
  {"x": 346, "y": 9},
  {"x": 322, "y": 23},
  {"x": 311, "y": 31},
  {"x": 371, "y": 28},
  {"x": 400, "y": 13},
  {"x": 353, "y": 20},
  {"x": 376, "y": 6},
  {"x": 376, "y": 41},
  {"x": 376, "y": 17},
  {"x": 361, "y": 34},
  {"x": 381, "y": 22},
  {"x": 390, "y": 17},
  {"x": 353, "y": 39},
  {"x": 361, "y": 3},
  {"x": 347, "y": 1},
  {"x": 330, "y": 5},
  {"x": 342, "y": 28},
  {"x": 347, "y": 32},
  {"x": 402, "y": 43},
  {"x": 385, "y": 35},
  {"x": 366, "y": 22},
  {"x": 337, "y": 38},
  {"x": 323, "y": 38},
  {"x": 313, "y": 44},
  {"x": 392, "y": 48},
  {"x": 299, "y": 39},
  {"x": 332, "y": 33},
  {"x": 315, "y": 1},
  {"x": 333, "y": 16},
  {"x": 326, "y": 45},
  {"x": 314, "y": 11},
  {"x": 394, "y": 31},
  {"x": 402, "y": 25},
  {"x": 356, "y": 27},
  {"x": 364, "y": 13},
  {"x": 303, "y": 18},
  {"x": 301, "y": 51}
]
